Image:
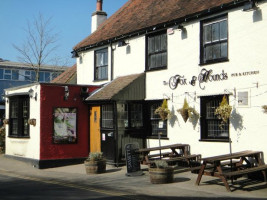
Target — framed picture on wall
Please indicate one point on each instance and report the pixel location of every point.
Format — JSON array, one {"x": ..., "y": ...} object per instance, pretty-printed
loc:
[{"x": 65, "y": 125}]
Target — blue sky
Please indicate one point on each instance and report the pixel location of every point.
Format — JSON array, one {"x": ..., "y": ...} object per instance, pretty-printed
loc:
[{"x": 70, "y": 18}]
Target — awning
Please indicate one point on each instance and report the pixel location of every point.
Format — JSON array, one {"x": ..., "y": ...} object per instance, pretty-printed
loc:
[{"x": 131, "y": 87}]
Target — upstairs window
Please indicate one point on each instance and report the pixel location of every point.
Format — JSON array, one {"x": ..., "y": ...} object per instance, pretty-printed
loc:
[
  {"x": 157, "y": 51},
  {"x": 15, "y": 74},
  {"x": 27, "y": 75},
  {"x": 7, "y": 74},
  {"x": 44, "y": 76},
  {"x": 101, "y": 64},
  {"x": 1, "y": 74},
  {"x": 214, "y": 40},
  {"x": 211, "y": 128},
  {"x": 19, "y": 115}
]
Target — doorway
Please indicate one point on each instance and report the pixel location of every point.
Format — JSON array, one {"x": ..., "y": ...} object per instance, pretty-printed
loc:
[{"x": 95, "y": 136}]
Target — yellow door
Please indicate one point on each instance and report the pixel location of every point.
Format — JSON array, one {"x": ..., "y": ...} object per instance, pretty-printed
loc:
[{"x": 95, "y": 136}]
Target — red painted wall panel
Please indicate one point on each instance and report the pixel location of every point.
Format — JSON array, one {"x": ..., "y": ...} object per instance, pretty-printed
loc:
[{"x": 52, "y": 96}]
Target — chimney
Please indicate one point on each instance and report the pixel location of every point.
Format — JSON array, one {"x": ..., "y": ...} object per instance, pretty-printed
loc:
[
  {"x": 99, "y": 5},
  {"x": 98, "y": 17}
]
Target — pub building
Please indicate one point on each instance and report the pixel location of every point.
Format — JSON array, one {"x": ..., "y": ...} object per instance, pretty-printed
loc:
[{"x": 182, "y": 51}]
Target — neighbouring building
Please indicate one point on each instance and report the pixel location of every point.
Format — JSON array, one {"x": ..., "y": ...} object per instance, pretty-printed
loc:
[
  {"x": 150, "y": 50},
  {"x": 47, "y": 123},
  {"x": 13, "y": 74}
]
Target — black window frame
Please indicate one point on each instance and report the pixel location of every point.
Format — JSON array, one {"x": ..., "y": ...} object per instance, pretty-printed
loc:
[
  {"x": 156, "y": 52},
  {"x": 132, "y": 119},
  {"x": 154, "y": 119},
  {"x": 18, "y": 119},
  {"x": 96, "y": 66},
  {"x": 208, "y": 120},
  {"x": 132, "y": 115},
  {"x": 107, "y": 119},
  {"x": 220, "y": 41}
]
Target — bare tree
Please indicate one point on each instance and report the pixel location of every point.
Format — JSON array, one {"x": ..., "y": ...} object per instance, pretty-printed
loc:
[{"x": 40, "y": 43}]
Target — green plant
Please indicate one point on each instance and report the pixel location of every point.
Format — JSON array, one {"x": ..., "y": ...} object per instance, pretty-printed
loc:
[
  {"x": 188, "y": 112},
  {"x": 163, "y": 111},
  {"x": 2, "y": 139},
  {"x": 96, "y": 156},
  {"x": 161, "y": 164},
  {"x": 223, "y": 112}
]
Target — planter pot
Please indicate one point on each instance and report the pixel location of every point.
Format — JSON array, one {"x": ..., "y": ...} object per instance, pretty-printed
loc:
[
  {"x": 160, "y": 176},
  {"x": 95, "y": 167}
]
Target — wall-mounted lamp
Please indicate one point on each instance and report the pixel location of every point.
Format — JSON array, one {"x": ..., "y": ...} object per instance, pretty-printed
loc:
[
  {"x": 32, "y": 122},
  {"x": 181, "y": 27},
  {"x": 122, "y": 43},
  {"x": 32, "y": 95},
  {"x": 250, "y": 6},
  {"x": 84, "y": 93},
  {"x": 66, "y": 93}
]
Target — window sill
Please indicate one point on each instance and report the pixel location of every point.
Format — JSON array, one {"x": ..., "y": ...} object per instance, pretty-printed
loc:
[
  {"x": 156, "y": 137},
  {"x": 156, "y": 69},
  {"x": 19, "y": 137},
  {"x": 214, "y": 61},
  {"x": 99, "y": 80},
  {"x": 214, "y": 140}
]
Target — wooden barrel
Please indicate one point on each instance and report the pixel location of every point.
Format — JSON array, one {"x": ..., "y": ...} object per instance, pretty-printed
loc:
[
  {"x": 95, "y": 167},
  {"x": 160, "y": 176}
]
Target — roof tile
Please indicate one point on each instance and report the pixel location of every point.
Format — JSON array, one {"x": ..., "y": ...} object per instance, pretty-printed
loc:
[{"x": 140, "y": 14}]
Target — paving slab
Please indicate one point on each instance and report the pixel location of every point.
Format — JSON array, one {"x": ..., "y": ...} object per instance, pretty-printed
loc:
[{"x": 115, "y": 179}]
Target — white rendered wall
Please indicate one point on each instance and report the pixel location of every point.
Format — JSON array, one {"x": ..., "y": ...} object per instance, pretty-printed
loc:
[
  {"x": 246, "y": 52},
  {"x": 26, "y": 147},
  {"x": 124, "y": 63},
  {"x": 247, "y": 47}
]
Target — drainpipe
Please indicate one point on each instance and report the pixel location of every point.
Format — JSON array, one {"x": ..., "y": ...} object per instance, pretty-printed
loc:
[{"x": 112, "y": 62}]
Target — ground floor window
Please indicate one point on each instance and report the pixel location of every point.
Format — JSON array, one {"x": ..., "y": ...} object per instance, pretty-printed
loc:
[
  {"x": 19, "y": 113},
  {"x": 157, "y": 125},
  {"x": 107, "y": 116},
  {"x": 210, "y": 125},
  {"x": 130, "y": 115}
]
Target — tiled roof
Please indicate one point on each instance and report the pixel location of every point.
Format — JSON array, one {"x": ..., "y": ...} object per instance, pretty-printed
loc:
[
  {"x": 69, "y": 76},
  {"x": 138, "y": 15},
  {"x": 114, "y": 87}
]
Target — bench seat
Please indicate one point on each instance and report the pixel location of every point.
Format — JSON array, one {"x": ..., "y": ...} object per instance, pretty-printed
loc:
[
  {"x": 163, "y": 154},
  {"x": 189, "y": 157},
  {"x": 245, "y": 171}
]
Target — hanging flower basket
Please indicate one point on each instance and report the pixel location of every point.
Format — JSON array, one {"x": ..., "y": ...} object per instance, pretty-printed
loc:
[
  {"x": 264, "y": 109},
  {"x": 163, "y": 111},
  {"x": 223, "y": 112},
  {"x": 187, "y": 112}
]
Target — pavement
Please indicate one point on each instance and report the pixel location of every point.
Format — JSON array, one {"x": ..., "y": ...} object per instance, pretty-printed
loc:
[{"x": 115, "y": 182}]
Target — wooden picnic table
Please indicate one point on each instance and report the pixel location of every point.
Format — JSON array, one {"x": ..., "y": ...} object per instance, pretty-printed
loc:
[
  {"x": 213, "y": 166},
  {"x": 177, "y": 150}
]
